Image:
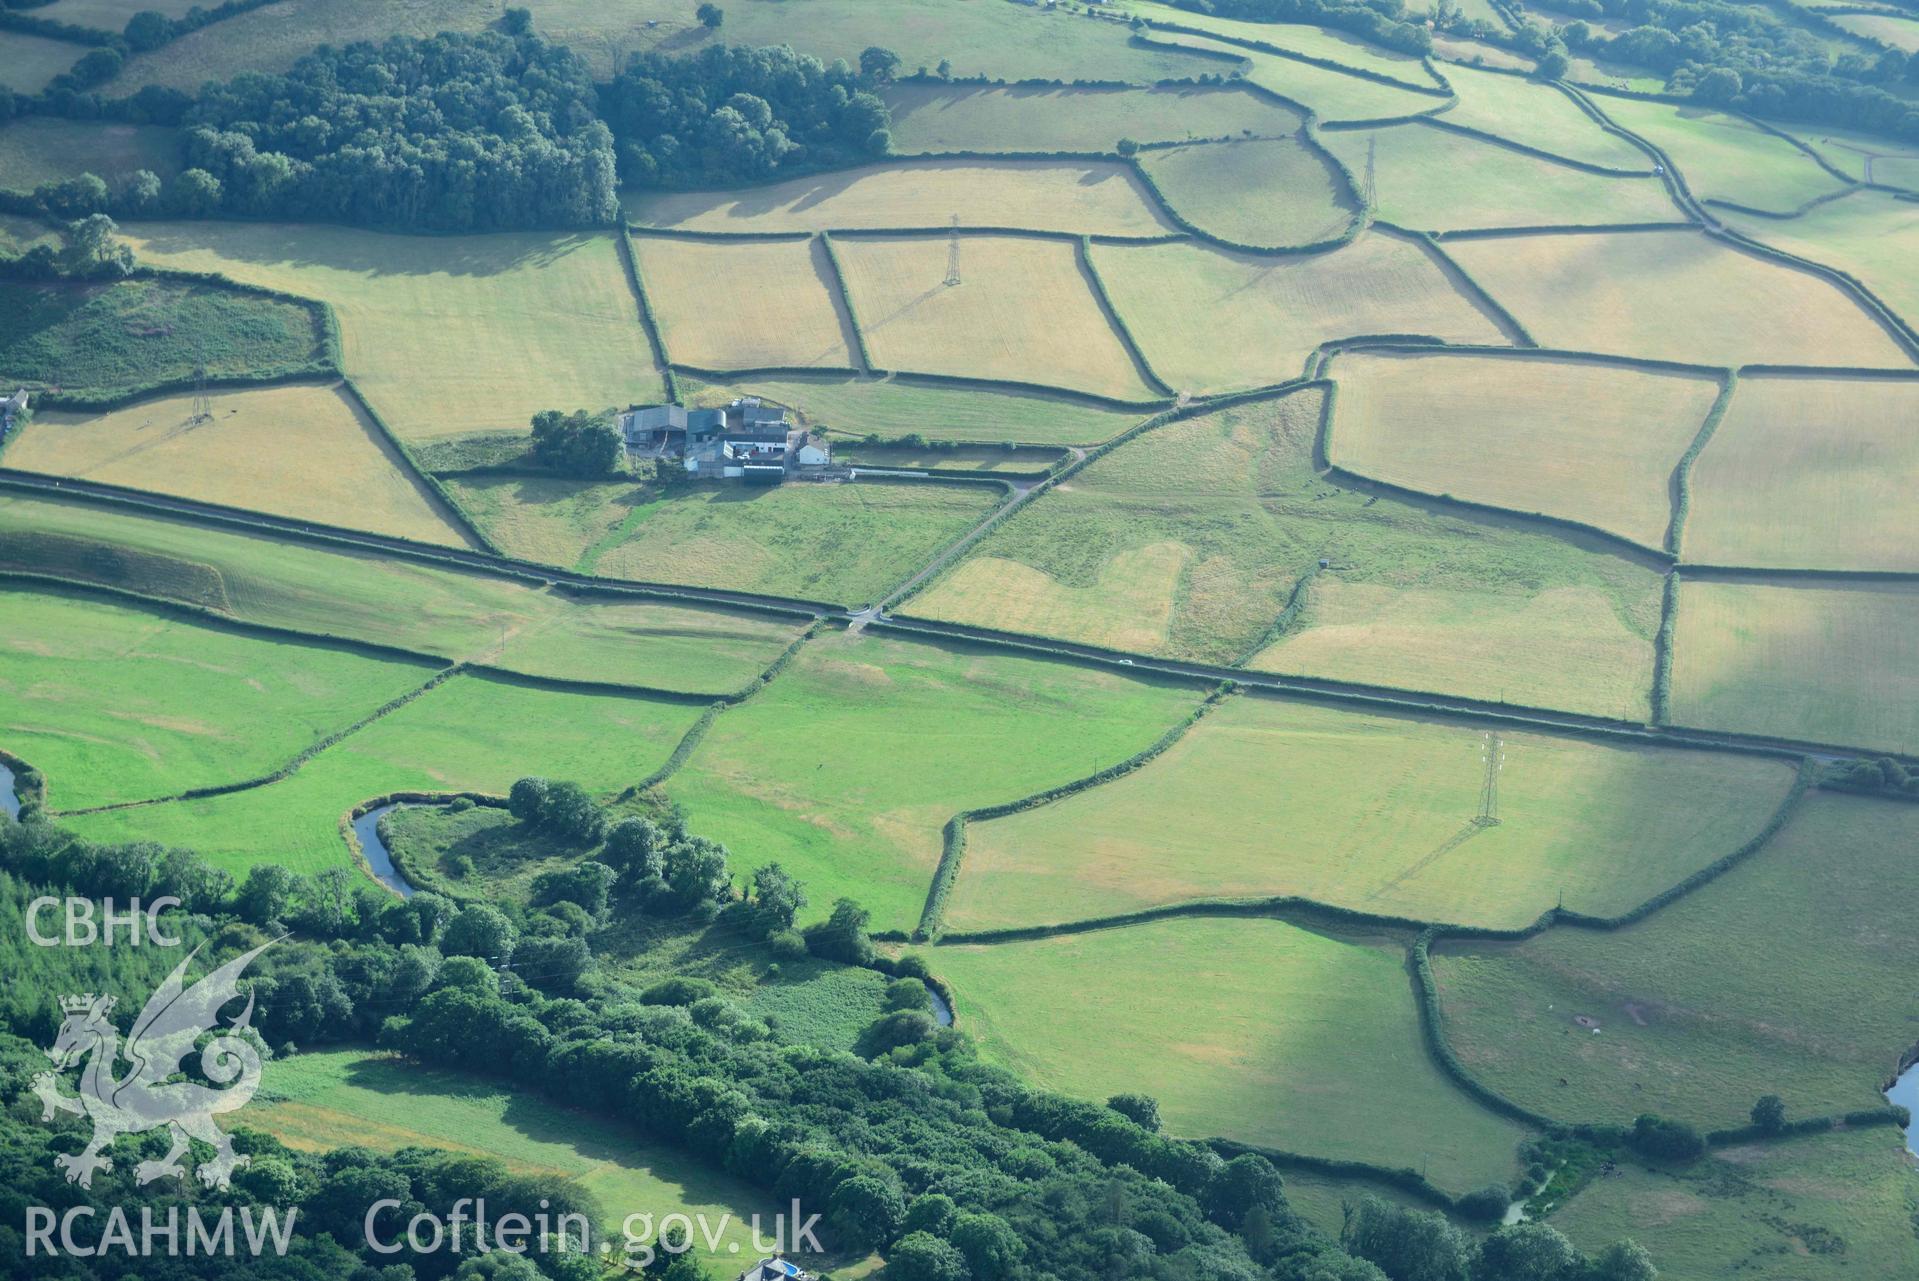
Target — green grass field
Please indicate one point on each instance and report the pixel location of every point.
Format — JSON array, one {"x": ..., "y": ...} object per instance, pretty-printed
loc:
[
  {"x": 469, "y": 734},
  {"x": 1432, "y": 180},
  {"x": 933, "y": 117},
  {"x": 1723, "y": 157},
  {"x": 1830, "y": 664},
  {"x": 1248, "y": 1029},
  {"x": 1674, "y": 295},
  {"x": 300, "y": 450},
  {"x": 1830, "y": 1208},
  {"x": 745, "y": 304},
  {"x": 1317, "y": 42},
  {"x": 1189, "y": 540},
  {"x": 1266, "y": 798},
  {"x": 1024, "y": 312},
  {"x": 1809, "y": 474},
  {"x": 1023, "y": 460},
  {"x": 1785, "y": 976},
  {"x": 1525, "y": 434},
  {"x": 28, "y": 62},
  {"x": 1867, "y": 157},
  {"x": 116, "y": 704},
  {"x": 1333, "y": 94},
  {"x": 1535, "y": 115},
  {"x": 1096, "y": 197},
  {"x": 356, "y": 1098},
  {"x": 1213, "y": 321},
  {"x": 1900, "y": 32},
  {"x": 847, "y": 543},
  {"x": 108, "y": 339},
  {"x": 1268, "y": 193},
  {"x": 46, "y": 149},
  {"x": 847, "y": 767},
  {"x": 892, "y": 407},
  {"x": 1003, "y": 41},
  {"x": 467, "y": 617},
  {"x": 1870, "y": 234},
  {"x": 446, "y": 335}
]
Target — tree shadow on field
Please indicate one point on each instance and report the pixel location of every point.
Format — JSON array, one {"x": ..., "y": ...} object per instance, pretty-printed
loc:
[{"x": 366, "y": 251}]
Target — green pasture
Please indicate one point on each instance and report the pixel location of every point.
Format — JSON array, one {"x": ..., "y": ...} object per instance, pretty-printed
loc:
[
  {"x": 1832, "y": 1208},
  {"x": 465, "y": 617},
  {"x": 110, "y": 15},
  {"x": 1267, "y": 192},
  {"x": 1249, "y": 1029},
  {"x": 28, "y": 62},
  {"x": 842, "y": 542},
  {"x": 1723, "y": 157},
  {"x": 1375, "y": 814},
  {"x": 1433, "y": 180},
  {"x": 1809, "y": 473},
  {"x": 116, "y": 704},
  {"x": 446, "y": 335},
  {"x": 1866, "y": 157},
  {"x": 1335, "y": 95},
  {"x": 47, "y": 149},
  {"x": 1900, "y": 32},
  {"x": 846, "y": 768},
  {"x": 1189, "y": 541},
  {"x": 469, "y": 734},
  {"x": 1213, "y": 321},
  {"x": 1833, "y": 664},
  {"x": 1535, "y": 115},
  {"x": 1004, "y": 41},
  {"x": 1870, "y": 234},
  {"x": 949, "y": 117},
  {"x": 1577, "y": 440},
  {"x": 1342, "y": 47},
  {"x": 104, "y": 339},
  {"x": 1674, "y": 295},
  {"x": 893, "y": 407},
  {"x": 1788, "y": 975},
  {"x": 357, "y": 1098}
]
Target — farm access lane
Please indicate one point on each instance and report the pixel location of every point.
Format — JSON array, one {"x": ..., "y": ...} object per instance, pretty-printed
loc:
[{"x": 1384, "y": 698}]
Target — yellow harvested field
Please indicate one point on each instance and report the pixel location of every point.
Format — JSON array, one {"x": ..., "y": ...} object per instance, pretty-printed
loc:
[
  {"x": 1810, "y": 473},
  {"x": 747, "y": 304},
  {"x": 1212, "y": 321},
  {"x": 1025, "y": 312},
  {"x": 1674, "y": 295},
  {"x": 1466, "y": 643},
  {"x": 1130, "y": 604},
  {"x": 300, "y": 450},
  {"x": 1091, "y": 197},
  {"x": 1800, "y": 660},
  {"x": 1265, "y": 797},
  {"x": 1871, "y": 234},
  {"x": 1435, "y": 180},
  {"x": 1535, "y": 115},
  {"x": 1577, "y": 440},
  {"x": 446, "y": 335}
]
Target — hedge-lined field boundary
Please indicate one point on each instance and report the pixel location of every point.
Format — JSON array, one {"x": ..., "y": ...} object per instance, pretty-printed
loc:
[
  {"x": 1524, "y": 149},
  {"x": 843, "y": 303},
  {"x": 1462, "y": 280},
  {"x": 953, "y": 837},
  {"x": 293, "y": 765},
  {"x": 1801, "y": 210},
  {"x": 1083, "y": 255},
  {"x": 696, "y": 732},
  {"x": 1440, "y": 90},
  {"x": 459, "y": 559},
  {"x": 574, "y": 685},
  {"x": 1355, "y": 224},
  {"x": 456, "y": 513},
  {"x": 1403, "y": 1179},
  {"x": 1560, "y": 229},
  {"x": 630, "y": 261},
  {"x": 413, "y": 876},
  {"x": 1662, "y": 649},
  {"x": 1682, "y": 472}
]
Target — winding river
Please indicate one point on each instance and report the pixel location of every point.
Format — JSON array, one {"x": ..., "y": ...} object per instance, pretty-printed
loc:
[
  {"x": 9, "y": 796},
  {"x": 378, "y": 857}
]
